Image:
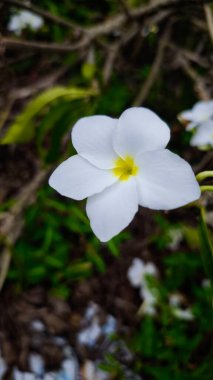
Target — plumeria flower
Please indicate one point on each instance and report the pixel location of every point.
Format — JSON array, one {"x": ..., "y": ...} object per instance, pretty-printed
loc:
[
  {"x": 121, "y": 164},
  {"x": 199, "y": 114},
  {"x": 20, "y": 21},
  {"x": 203, "y": 136}
]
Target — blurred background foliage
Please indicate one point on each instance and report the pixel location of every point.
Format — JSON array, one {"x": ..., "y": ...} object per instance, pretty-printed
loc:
[{"x": 163, "y": 60}]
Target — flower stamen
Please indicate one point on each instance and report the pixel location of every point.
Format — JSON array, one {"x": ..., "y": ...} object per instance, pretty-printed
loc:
[{"x": 125, "y": 168}]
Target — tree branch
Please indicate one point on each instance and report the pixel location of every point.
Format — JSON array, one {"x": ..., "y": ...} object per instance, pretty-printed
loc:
[
  {"x": 12, "y": 43},
  {"x": 146, "y": 87}
]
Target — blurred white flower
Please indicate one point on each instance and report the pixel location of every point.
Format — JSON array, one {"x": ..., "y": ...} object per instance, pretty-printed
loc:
[
  {"x": 206, "y": 283},
  {"x": 91, "y": 372},
  {"x": 137, "y": 275},
  {"x": 121, "y": 164},
  {"x": 37, "y": 325},
  {"x": 186, "y": 314},
  {"x": 91, "y": 311},
  {"x": 175, "y": 301},
  {"x": 3, "y": 366},
  {"x": 203, "y": 136},
  {"x": 69, "y": 369},
  {"x": 24, "y": 19},
  {"x": 90, "y": 335},
  {"x": 201, "y": 112},
  {"x": 109, "y": 326},
  {"x": 176, "y": 236},
  {"x": 150, "y": 300},
  {"x": 17, "y": 375},
  {"x": 36, "y": 364},
  {"x": 95, "y": 328},
  {"x": 138, "y": 270}
]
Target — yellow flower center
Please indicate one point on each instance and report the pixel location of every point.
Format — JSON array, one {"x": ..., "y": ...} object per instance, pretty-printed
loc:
[{"x": 124, "y": 168}]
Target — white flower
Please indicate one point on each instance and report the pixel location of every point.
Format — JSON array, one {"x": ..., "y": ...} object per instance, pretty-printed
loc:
[
  {"x": 200, "y": 112},
  {"x": 121, "y": 164},
  {"x": 23, "y": 19},
  {"x": 90, "y": 335},
  {"x": 203, "y": 136},
  {"x": 137, "y": 275},
  {"x": 175, "y": 236},
  {"x": 186, "y": 314},
  {"x": 206, "y": 283},
  {"x": 69, "y": 369},
  {"x": 3, "y": 366},
  {"x": 175, "y": 301},
  {"x": 138, "y": 271},
  {"x": 36, "y": 364},
  {"x": 91, "y": 372}
]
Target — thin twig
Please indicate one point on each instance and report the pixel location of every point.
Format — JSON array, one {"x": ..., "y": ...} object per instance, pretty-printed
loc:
[
  {"x": 11, "y": 43},
  {"x": 104, "y": 28},
  {"x": 209, "y": 19},
  {"x": 189, "y": 55},
  {"x": 197, "y": 79},
  {"x": 117, "y": 22},
  {"x": 11, "y": 228},
  {"x": 146, "y": 87},
  {"x": 208, "y": 157}
]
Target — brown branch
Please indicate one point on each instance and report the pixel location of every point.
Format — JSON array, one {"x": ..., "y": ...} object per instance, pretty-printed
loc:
[
  {"x": 11, "y": 229},
  {"x": 90, "y": 33},
  {"x": 199, "y": 84},
  {"x": 209, "y": 19},
  {"x": 45, "y": 14},
  {"x": 146, "y": 87},
  {"x": 12, "y": 43},
  {"x": 116, "y": 22},
  {"x": 204, "y": 162},
  {"x": 190, "y": 55}
]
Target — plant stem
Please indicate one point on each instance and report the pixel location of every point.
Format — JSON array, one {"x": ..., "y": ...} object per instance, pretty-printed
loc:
[
  {"x": 206, "y": 188},
  {"x": 203, "y": 175}
]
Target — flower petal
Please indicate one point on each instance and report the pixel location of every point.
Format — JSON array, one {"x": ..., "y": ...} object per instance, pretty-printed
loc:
[
  {"x": 203, "y": 135},
  {"x": 76, "y": 178},
  {"x": 92, "y": 138},
  {"x": 200, "y": 112},
  {"x": 113, "y": 209},
  {"x": 165, "y": 181},
  {"x": 139, "y": 130}
]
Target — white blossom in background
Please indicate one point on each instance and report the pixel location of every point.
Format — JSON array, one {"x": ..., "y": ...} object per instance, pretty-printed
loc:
[
  {"x": 122, "y": 164},
  {"x": 89, "y": 335},
  {"x": 3, "y": 367},
  {"x": 175, "y": 236},
  {"x": 90, "y": 371},
  {"x": 201, "y": 112},
  {"x": 36, "y": 364},
  {"x": 184, "y": 314},
  {"x": 203, "y": 136},
  {"x": 37, "y": 325},
  {"x": 137, "y": 274},
  {"x": 175, "y": 301},
  {"x": 206, "y": 283},
  {"x": 138, "y": 271},
  {"x": 24, "y": 19}
]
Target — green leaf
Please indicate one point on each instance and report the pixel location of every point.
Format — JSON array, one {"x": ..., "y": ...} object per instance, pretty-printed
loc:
[
  {"x": 95, "y": 258},
  {"x": 22, "y": 129},
  {"x": 79, "y": 270}
]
